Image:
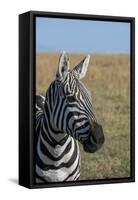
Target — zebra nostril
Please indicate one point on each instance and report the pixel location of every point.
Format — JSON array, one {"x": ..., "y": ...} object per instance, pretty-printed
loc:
[{"x": 94, "y": 124}]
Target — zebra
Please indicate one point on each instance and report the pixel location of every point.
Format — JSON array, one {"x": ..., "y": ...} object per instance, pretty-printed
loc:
[{"x": 64, "y": 117}]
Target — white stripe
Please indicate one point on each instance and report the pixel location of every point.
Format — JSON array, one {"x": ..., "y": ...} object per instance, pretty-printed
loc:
[
  {"x": 48, "y": 161},
  {"x": 58, "y": 149},
  {"x": 57, "y": 175}
]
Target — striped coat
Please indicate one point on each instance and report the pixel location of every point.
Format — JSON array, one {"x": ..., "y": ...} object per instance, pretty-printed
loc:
[{"x": 64, "y": 117}]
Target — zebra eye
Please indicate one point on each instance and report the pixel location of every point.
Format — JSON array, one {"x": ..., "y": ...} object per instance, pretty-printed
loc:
[{"x": 71, "y": 98}]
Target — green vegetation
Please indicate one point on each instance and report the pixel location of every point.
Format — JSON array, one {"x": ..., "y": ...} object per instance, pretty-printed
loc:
[{"x": 108, "y": 78}]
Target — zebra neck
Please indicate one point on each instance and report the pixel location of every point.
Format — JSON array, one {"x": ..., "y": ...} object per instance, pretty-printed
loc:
[{"x": 56, "y": 137}]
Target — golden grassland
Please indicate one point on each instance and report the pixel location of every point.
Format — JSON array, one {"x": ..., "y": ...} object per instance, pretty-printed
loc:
[{"x": 108, "y": 79}]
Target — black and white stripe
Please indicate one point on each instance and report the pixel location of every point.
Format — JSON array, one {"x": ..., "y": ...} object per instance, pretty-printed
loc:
[{"x": 64, "y": 117}]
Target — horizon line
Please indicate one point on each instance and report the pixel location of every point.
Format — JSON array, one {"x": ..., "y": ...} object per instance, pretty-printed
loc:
[{"x": 84, "y": 52}]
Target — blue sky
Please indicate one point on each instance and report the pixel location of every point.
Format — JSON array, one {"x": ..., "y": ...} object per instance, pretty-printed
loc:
[{"x": 53, "y": 34}]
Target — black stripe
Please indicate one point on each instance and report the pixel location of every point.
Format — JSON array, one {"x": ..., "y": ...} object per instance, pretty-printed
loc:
[
  {"x": 68, "y": 164},
  {"x": 48, "y": 132},
  {"x": 45, "y": 137},
  {"x": 86, "y": 124},
  {"x": 76, "y": 176},
  {"x": 40, "y": 177},
  {"x": 46, "y": 152},
  {"x": 40, "y": 163},
  {"x": 60, "y": 110},
  {"x": 48, "y": 119},
  {"x": 74, "y": 171},
  {"x": 80, "y": 120}
]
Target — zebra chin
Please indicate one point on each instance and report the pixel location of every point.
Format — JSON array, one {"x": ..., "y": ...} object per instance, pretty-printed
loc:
[{"x": 95, "y": 139}]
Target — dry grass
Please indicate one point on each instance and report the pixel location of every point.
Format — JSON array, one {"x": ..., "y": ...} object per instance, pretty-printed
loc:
[{"x": 108, "y": 80}]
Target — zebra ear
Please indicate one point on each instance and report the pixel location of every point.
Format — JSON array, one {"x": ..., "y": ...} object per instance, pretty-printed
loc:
[
  {"x": 63, "y": 66},
  {"x": 81, "y": 68}
]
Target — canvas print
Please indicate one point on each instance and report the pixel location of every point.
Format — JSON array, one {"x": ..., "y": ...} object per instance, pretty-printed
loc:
[{"x": 82, "y": 103}]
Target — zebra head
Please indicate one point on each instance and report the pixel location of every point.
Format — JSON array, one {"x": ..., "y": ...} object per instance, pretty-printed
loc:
[{"x": 72, "y": 110}]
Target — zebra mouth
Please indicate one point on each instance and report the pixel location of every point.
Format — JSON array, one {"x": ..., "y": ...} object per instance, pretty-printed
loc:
[{"x": 95, "y": 140}]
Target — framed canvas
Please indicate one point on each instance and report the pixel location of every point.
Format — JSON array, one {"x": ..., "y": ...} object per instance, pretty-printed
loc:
[{"x": 76, "y": 99}]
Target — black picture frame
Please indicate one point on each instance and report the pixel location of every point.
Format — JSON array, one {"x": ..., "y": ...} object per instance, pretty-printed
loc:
[{"x": 27, "y": 96}]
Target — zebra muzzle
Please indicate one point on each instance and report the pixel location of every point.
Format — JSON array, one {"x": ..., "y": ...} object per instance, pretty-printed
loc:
[{"x": 95, "y": 139}]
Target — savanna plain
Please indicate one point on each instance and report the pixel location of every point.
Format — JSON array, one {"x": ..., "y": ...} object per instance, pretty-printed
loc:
[{"x": 108, "y": 80}]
